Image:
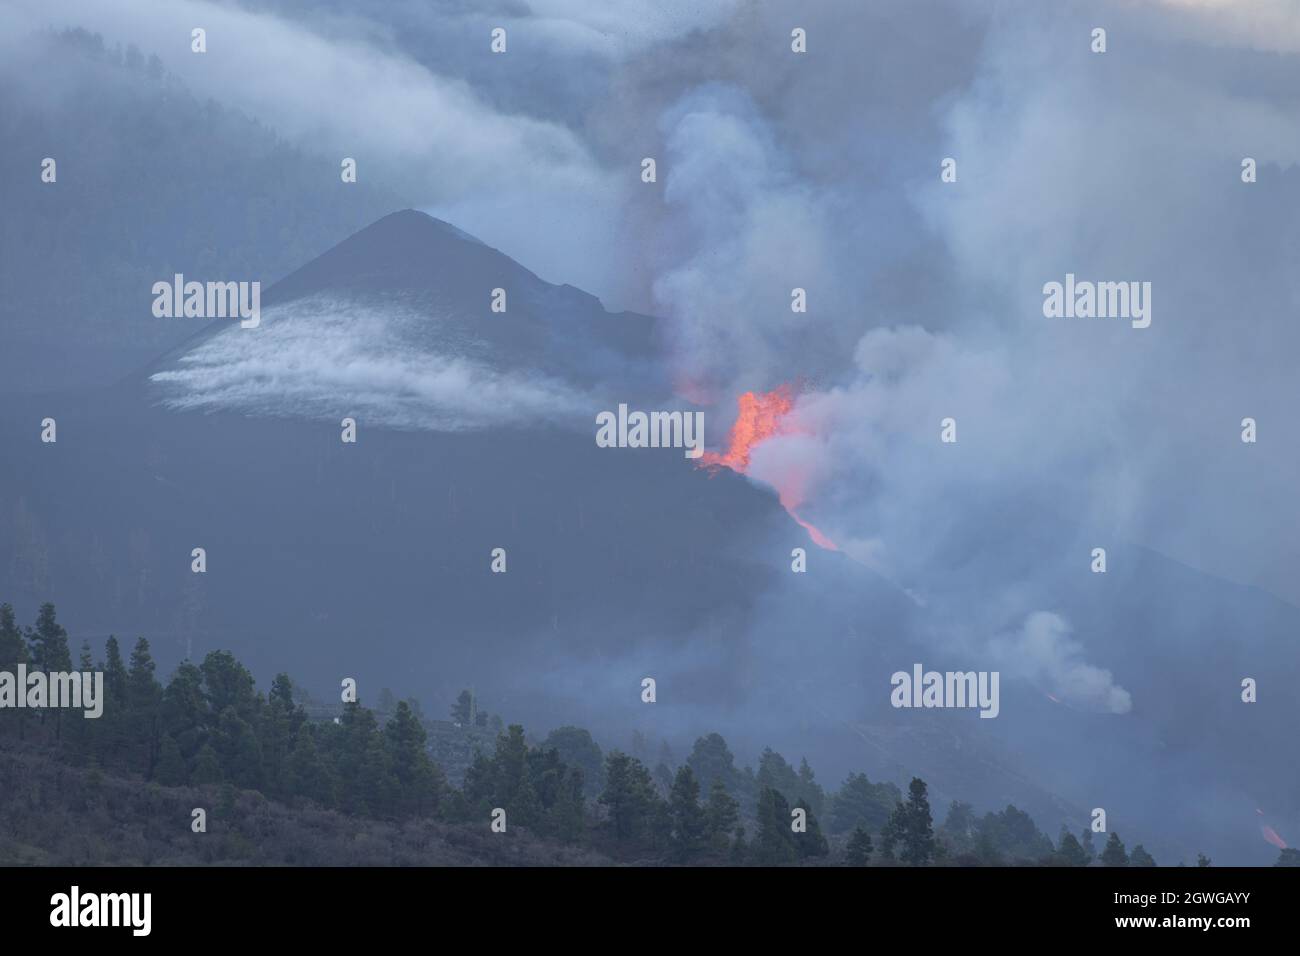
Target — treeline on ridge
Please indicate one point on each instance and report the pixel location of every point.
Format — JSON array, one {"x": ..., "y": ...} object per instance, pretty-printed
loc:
[{"x": 209, "y": 725}]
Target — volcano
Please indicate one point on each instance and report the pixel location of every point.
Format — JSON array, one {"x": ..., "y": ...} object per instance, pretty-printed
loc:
[
  {"x": 372, "y": 560},
  {"x": 475, "y": 431}
]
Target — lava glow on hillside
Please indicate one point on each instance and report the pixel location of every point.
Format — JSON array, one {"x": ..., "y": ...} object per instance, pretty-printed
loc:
[
  {"x": 759, "y": 417},
  {"x": 1271, "y": 836}
]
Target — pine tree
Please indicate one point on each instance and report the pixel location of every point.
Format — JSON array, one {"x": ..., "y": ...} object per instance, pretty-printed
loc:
[
  {"x": 1070, "y": 851},
  {"x": 143, "y": 710},
  {"x": 515, "y": 789},
  {"x": 739, "y": 847},
  {"x": 239, "y": 750},
  {"x": 13, "y": 651},
  {"x": 689, "y": 825},
  {"x": 417, "y": 782},
  {"x": 547, "y": 773},
  {"x": 812, "y": 842},
  {"x": 1141, "y": 857},
  {"x": 858, "y": 852},
  {"x": 227, "y": 683},
  {"x": 959, "y": 828},
  {"x": 309, "y": 776},
  {"x": 378, "y": 784},
  {"x": 207, "y": 767},
  {"x": 567, "y": 815},
  {"x": 366, "y": 783},
  {"x": 185, "y": 710},
  {"x": 115, "y": 676},
  {"x": 710, "y": 760},
  {"x": 278, "y": 731},
  {"x": 774, "y": 845},
  {"x": 85, "y": 740},
  {"x": 776, "y": 773},
  {"x": 721, "y": 814},
  {"x": 1014, "y": 833},
  {"x": 281, "y": 692},
  {"x": 660, "y": 824},
  {"x": 987, "y": 850},
  {"x": 810, "y": 791},
  {"x": 49, "y": 652},
  {"x": 629, "y": 797},
  {"x": 577, "y": 748},
  {"x": 114, "y": 729},
  {"x": 171, "y": 770},
  {"x": 1085, "y": 841},
  {"x": 1113, "y": 854},
  {"x": 462, "y": 711},
  {"x": 917, "y": 830},
  {"x": 860, "y": 803},
  {"x": 891, "y": 834},
  {"x": 478, "y": 789},
  {"x": 49, "y": 643}
]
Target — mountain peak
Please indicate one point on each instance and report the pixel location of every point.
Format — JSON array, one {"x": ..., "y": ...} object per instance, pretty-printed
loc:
[
  {"x": 411, "y": 224},
  {"x": 401, "y": 318},
  {"x": 407, "y": 249}
]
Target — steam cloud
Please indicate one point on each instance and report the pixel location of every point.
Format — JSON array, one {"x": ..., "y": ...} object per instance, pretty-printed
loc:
[
  {"x": 1043, "y": 651},
  {"x": 325, "y": 359}
]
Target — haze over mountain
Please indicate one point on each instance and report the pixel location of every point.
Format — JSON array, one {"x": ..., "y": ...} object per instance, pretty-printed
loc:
[
  {"x": 476, "y": 431},
  {"x": 151, "y": 175}
]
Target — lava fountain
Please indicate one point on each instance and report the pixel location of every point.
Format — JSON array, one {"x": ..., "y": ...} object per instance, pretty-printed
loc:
[
  {"x": 1271, "y": 836},
  {"x": 761, "y": 416}
]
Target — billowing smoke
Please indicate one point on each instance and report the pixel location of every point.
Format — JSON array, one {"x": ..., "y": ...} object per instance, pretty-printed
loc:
[
  {"x": 925, "y": 303},
  {"x": 752, "y": 225},
  {"x": 1068, "y": 162},
  {"x": 1043, "y": 651}
]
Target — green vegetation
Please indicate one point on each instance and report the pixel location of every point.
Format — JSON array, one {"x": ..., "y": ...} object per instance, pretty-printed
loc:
[{"x": 210, "y": 738}]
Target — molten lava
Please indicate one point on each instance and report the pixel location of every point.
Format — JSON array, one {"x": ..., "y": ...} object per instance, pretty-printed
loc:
[
  {"x": 760, "y": 417},
  {"x": 1271, "y": 836}
]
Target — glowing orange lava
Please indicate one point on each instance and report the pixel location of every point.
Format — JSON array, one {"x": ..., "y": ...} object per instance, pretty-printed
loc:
[
  {"x": 1271, "y": 836},
  {"x": 760, "y": 416},
  {"x": 758, "y": 419}
]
